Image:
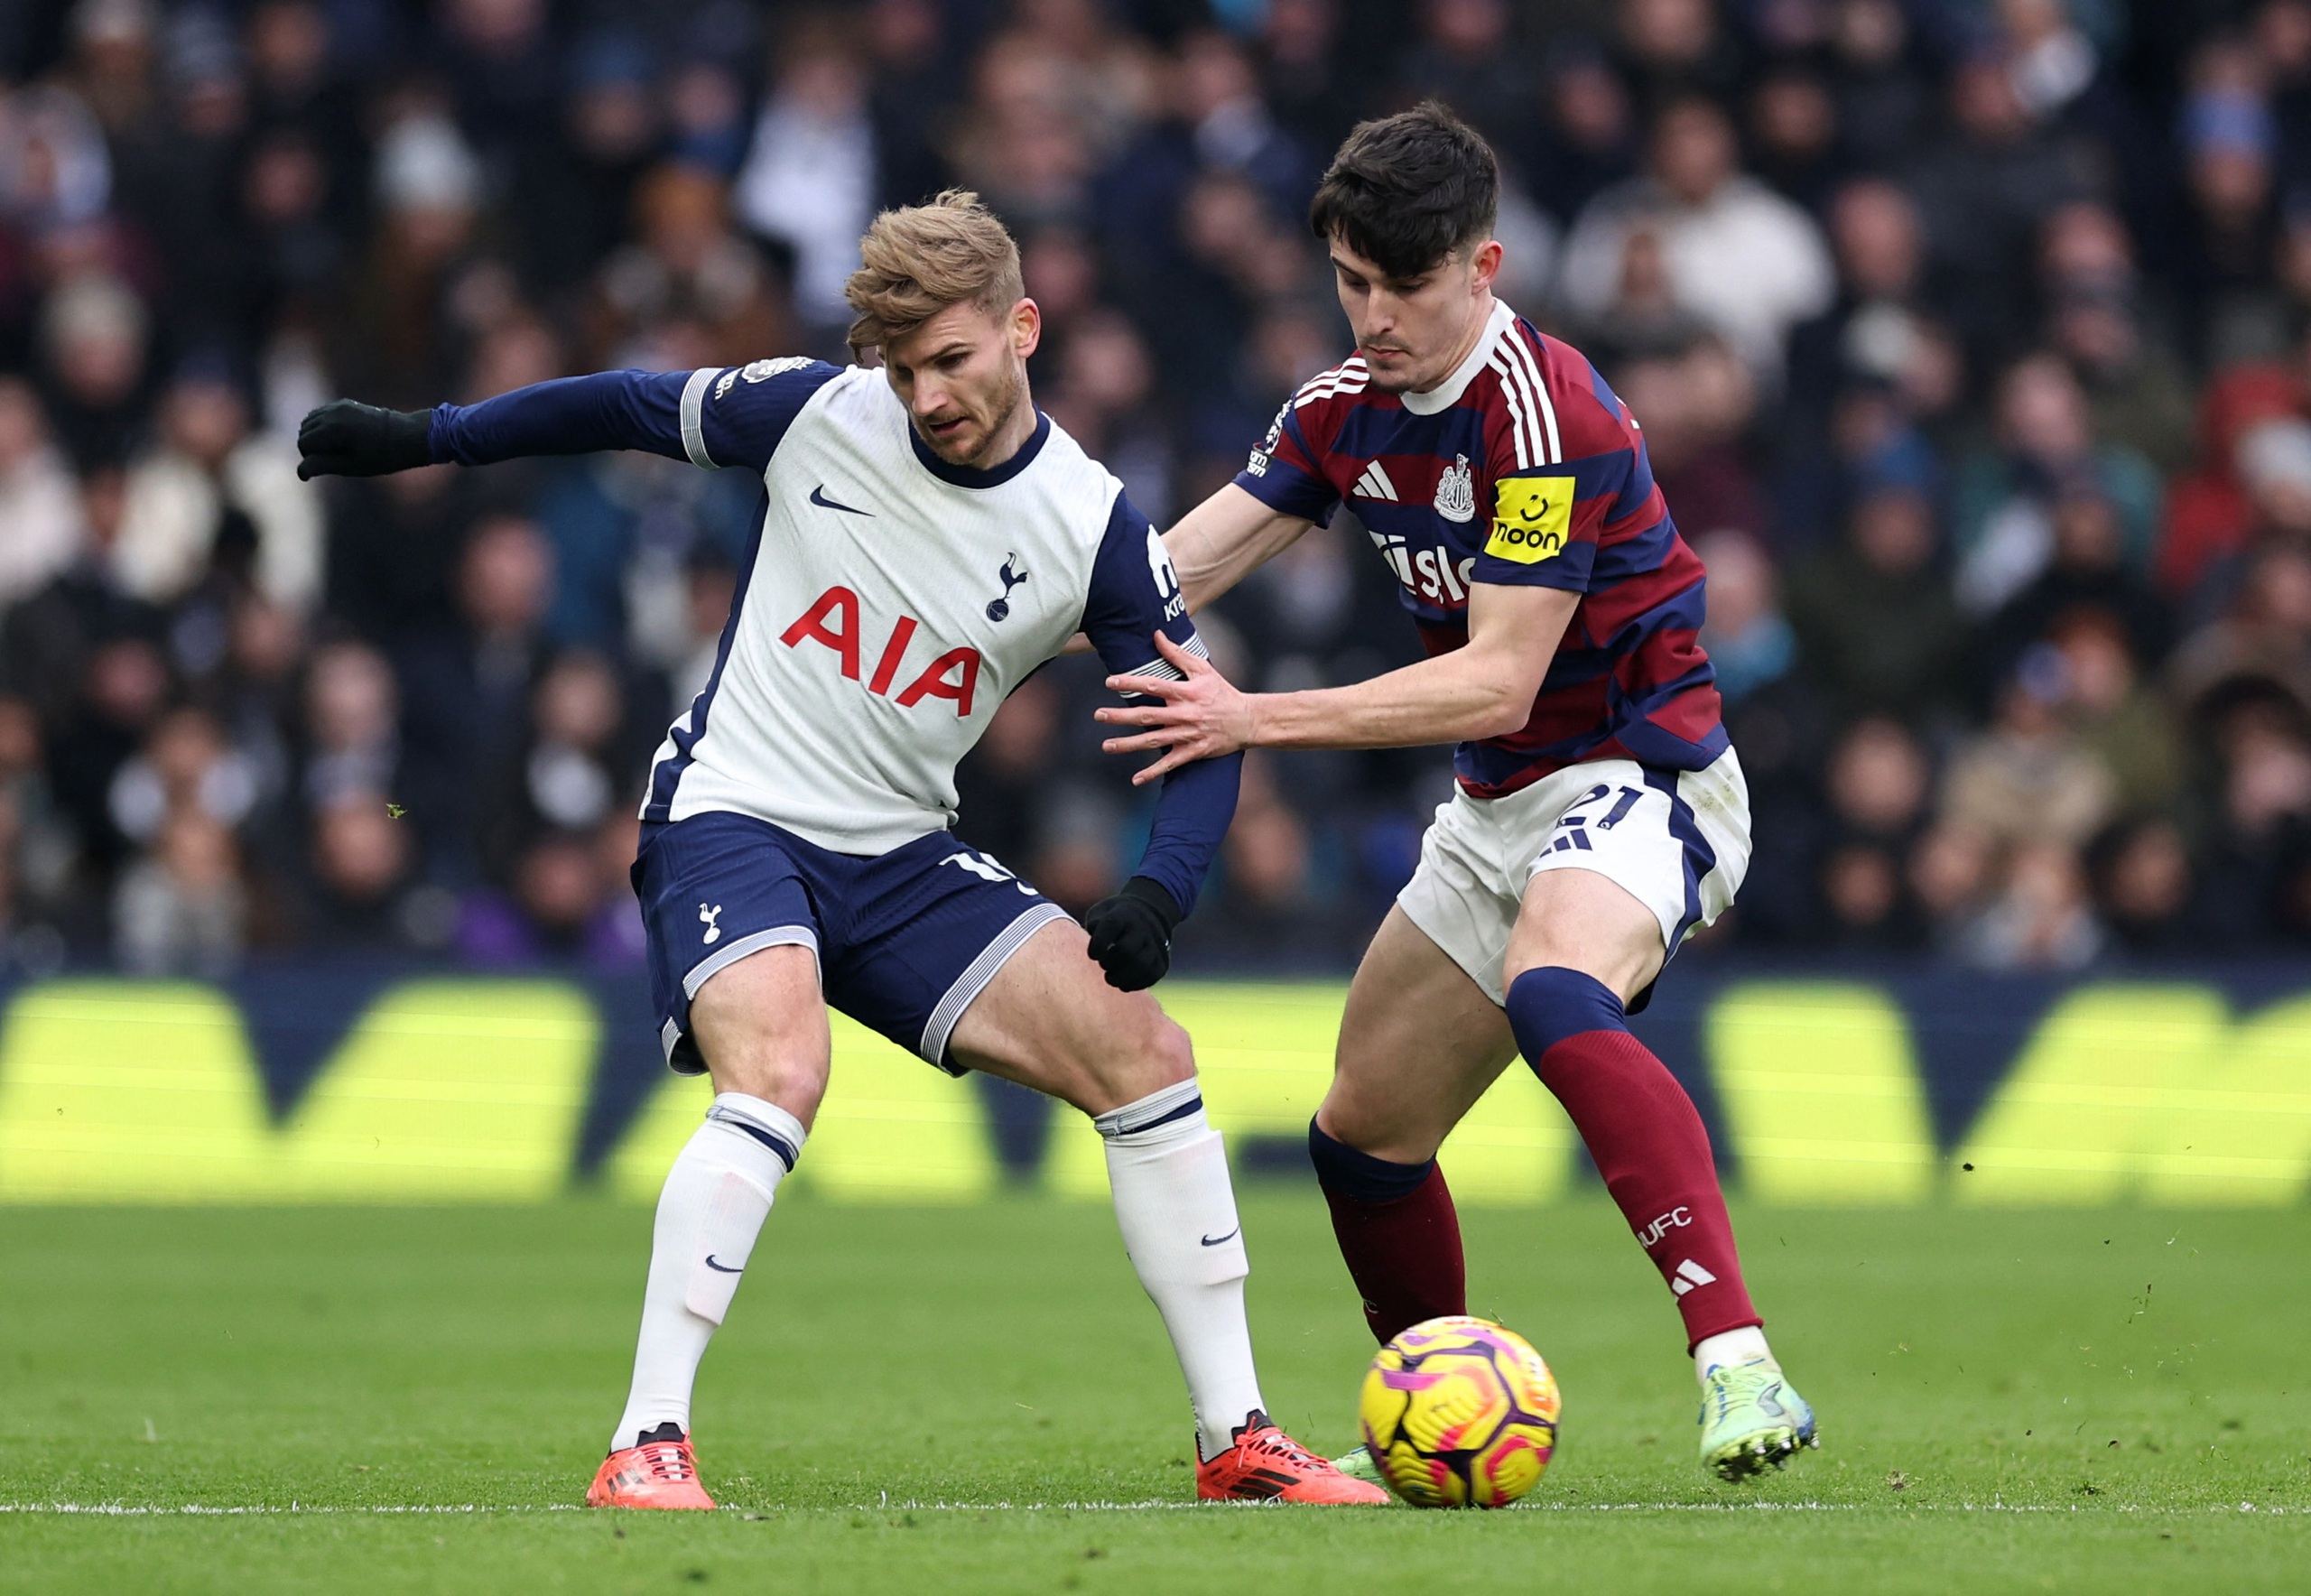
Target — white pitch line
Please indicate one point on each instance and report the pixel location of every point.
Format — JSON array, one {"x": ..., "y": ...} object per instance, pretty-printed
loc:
[{"x": 131, "y": 1510}]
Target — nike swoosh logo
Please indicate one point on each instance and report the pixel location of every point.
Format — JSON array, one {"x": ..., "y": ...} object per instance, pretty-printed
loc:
[
  {"x": 723, "y": 1268},
  {"x": 819, "y": 497},
  {"x": 1216, "y": 1240}
]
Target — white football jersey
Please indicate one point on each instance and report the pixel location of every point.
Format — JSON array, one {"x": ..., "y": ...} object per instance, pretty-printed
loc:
[{"x": 891, "y": 601}]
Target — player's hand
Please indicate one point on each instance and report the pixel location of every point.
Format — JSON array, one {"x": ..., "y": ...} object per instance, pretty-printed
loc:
[
  {"x": 346, "y": 438},
  {"x": 1131, "y": 933},
  {"x": 1200, "y": 716}
]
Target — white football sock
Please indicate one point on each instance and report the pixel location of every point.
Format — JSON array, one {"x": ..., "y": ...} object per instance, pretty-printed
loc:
[
  {"x": 1745, "y": 1345},
  {"x": 1168, "y": 1171},
  {"x": 711, "y": 1208}
]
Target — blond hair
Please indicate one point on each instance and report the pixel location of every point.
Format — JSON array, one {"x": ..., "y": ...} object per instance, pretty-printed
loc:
[{"x": 919, "y": 260}]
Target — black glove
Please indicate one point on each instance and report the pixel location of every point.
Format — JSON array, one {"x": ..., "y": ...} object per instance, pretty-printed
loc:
[
  {"x": 346, "y": 438},
  {"x": 1131, "y": 933}
]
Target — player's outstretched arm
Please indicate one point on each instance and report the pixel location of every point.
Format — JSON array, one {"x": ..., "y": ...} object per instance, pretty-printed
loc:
[
  {"x": 1481, "y": 690},
  {"x": 726, "y": 417},
  {"x": 1224, "y": 540}
]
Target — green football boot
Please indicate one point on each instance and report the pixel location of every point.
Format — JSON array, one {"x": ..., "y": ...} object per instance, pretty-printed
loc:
[
  {"x": 1357, "y": 1463},
  {"x": 1751, "y": 1420}
]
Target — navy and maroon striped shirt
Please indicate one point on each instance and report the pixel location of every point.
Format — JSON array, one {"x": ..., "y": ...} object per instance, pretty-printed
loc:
[{"x": 1523, "y": 469}]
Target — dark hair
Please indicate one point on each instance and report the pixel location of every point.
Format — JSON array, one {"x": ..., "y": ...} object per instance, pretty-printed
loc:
[{"x": 1407, "y": 191}]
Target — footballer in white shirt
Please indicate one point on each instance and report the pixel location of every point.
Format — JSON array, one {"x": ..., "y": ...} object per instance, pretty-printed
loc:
[{"x": 927, "y": 540}]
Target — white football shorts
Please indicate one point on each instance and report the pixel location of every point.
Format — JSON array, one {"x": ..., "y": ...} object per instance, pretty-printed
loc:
[{"x": 1677, "y": 841}]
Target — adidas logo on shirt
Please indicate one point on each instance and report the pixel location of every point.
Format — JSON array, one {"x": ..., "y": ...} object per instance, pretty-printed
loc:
[
  {"x": 1689, "y": 1276},
  {"x": 1374, "y": 485}
]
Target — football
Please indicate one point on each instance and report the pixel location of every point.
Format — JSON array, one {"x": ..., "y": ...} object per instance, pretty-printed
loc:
[{"x": 1460, "y": 1413}]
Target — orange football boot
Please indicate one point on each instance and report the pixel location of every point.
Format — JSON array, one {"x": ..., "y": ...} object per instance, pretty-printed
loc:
[
  {"x": 1266, "y": 1465},
  {"x": 661, "y": 1472}
]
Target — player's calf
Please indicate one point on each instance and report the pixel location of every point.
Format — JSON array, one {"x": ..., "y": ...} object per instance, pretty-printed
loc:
[
  {"x": 1644, "y": 1134},
  {"x": 1397, "y": 1232}
]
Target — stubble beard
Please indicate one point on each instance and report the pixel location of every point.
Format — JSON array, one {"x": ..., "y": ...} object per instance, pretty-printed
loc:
[
  {"x": 1404, "y": 380},
  {"x": 1005, "y": 406}
]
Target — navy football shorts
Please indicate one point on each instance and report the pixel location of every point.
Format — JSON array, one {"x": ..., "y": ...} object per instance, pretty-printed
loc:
[{"x": 905, "y": 939}]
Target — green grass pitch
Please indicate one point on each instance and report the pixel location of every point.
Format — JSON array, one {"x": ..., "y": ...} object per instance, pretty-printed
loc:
[{"x": 979, "y": 1398}]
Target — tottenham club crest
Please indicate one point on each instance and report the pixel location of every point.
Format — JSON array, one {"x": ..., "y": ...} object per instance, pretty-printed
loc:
[
  {"x": 998, "y": 608},
  {"x": 1456, "y": 491}
]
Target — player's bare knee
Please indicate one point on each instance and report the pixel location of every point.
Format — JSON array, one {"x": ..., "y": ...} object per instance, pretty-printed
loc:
[
  {"x": 762, "y": 1029},
  {"x": 1377, "y": 1129},
  {"x": 795, "y": 1082},
  {"x": 1150, "y": 1054}
]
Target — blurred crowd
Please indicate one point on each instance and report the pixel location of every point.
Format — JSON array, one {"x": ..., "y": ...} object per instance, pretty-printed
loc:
[{"x": 1971, "y": 339}]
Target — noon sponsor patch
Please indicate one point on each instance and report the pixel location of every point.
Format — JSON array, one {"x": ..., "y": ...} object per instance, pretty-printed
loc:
[{"x": 1532, "y": 518}]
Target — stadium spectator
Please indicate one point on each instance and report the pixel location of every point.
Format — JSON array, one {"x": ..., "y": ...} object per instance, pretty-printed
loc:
[
  {"x": 568, "y": 776},
  {"x": 2087, "y": 570},
  {"x": 352, "y": 728},
  {"x": 2264, "y": 638},
  {"x": 915, "y": 88},
  {"x": 40, "y": 503},
  {"x": 2256, "y": 882},
  {"x": 186, "y": 766},
  {"x": 2229, "y": 144},
  {"x": 2041, "y": 919},
  {"x": 709, "y": 585},
  {"x": 216, "y": 496},
  {"x": 1871, "y": 332},
  {"x": 688, "y": 278},
  {"x": 38, "y": 851},
  {"x": 1698, "y": 401},
  {"x": 1879, "y": 782},
  {"x": 1270, "y": 871},
  {"x": 2002, "y": 499},
  {"x": 1876, "y": 629},
  {"x": 93, "y": 336},
  {"x": 1792, "y": 125},
  {"x": 1741, "y": 259},
  {"x": 2209, "y": 514},
  {"x": 360, "y": 901},
  {"x": 2140, "y": 873},
  {"x": 2137, "y": 395},
  {"x": 1586, "y": 139},
  {"x": 809, "y": 179},
  {"x": 2115, "y": 714},
  {"x": 182, "y": 908},
  {"x": 2029, "y": 778}
]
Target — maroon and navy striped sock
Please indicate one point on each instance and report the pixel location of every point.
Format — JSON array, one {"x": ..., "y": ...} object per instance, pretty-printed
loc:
[
  {"x": 1642, "y": 1131},
  {"x": 1397, "y": 1233}
]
